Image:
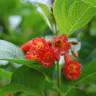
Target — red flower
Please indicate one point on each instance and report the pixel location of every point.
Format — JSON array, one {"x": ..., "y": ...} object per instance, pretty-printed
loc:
[
  {"x": 47, "y": 57},
  {"x": 67, "y": 57},
  {"x": 26, "y": 47},
  {"x": 49, "y": 43},
  {"x": 57, "y": 53},
  {"x": 65, "y": 47},
  {"x": 64, "y": 38},
  {"x": 31, "y": 55},
  {"x": 39, "y": 44},
  {"x": 36, "y": 44},
  {"x": 72, "y": 70},
  {"x": 61, "y": 43}
]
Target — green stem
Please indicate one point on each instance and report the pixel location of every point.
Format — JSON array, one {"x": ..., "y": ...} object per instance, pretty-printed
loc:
[{"x": 58, "y": 77}]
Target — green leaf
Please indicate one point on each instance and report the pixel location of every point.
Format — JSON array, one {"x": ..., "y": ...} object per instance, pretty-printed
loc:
[
  {"x": 25, "y": 76},
  {"x": 29, "y": 23},
  {"x": 90, "y": 2},
  {"x": 10, "y": 51},
  {"x": 48, "y": 16},
  {"x": 88, "y": 74},
  {"x": 28, "y": 63},
  {"x": 13, "y": 89},
  {"x": 71, "y": 15},
  {"x": 31, "y": 26},
  {"x": 9, "y": 6},
  {"x": 9, "y": 89},
  {"x": 91, "y": 88},
  {"x": 5, "y": 77},
  {"x": 74, "y": 92},
  {"x": 93, "y": 27},
  {"x": 29, "y": 80}
]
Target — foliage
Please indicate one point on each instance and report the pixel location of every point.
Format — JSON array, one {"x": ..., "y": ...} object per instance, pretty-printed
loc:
[{"x": 75, "y": 18}]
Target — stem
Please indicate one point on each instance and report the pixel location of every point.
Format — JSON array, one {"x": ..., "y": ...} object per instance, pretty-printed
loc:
[
  {"x": 58, "y": 69},
  {"x": 58, "y": 77}
]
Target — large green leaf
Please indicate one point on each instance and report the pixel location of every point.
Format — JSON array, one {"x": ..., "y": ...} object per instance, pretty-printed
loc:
[
  {"x": 25, "y": 76},
  {"x": 9, "y": 51},
  {"x": 71, "y": 15},
  {"x": 27, "y": 79}
]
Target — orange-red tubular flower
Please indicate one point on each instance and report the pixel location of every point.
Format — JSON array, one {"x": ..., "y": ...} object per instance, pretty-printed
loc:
[
  {"x": 72, "y": 70},
  {"x": 47, "y": 57},
  {"x": 26, "y": 47},
  {"x": 31, "y": 55},
  {"x": 67, "y": 57},
  {"x": 64, "y": 38},
  {"x": 39, "y": 44},
  {"x": 61, "y": 43},
  {"x": 36, "y": 44}
]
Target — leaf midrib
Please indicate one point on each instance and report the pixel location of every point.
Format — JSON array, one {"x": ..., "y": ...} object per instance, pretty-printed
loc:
[
  {"x": 79, "y": 19},
  {"x": 87, "y": 3}
]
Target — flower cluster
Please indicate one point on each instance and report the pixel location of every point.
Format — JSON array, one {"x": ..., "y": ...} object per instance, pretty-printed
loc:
[{"x": 47, "y": 52}]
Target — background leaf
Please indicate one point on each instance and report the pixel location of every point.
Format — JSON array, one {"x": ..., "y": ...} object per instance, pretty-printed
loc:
[
  {"x": 9, "y": 51},
  {"x": 72, "y": 15},
  {"x": 5, "y": 77},
  {"x": 8, "y": 7}
]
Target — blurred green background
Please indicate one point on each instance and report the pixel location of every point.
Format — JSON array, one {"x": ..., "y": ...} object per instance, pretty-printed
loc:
[{"x": 21, "y": 21}]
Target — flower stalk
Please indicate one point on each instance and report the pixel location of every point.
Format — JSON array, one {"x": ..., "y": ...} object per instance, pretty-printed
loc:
[{"x": 58, "y": 70}]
